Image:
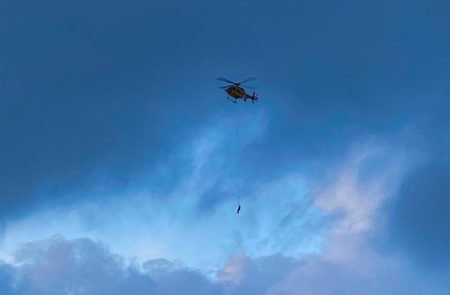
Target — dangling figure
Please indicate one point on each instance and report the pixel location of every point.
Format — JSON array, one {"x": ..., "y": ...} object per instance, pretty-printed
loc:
[{"x": 238, "y": 209}]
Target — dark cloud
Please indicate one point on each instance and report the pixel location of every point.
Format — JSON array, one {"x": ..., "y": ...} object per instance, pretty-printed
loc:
[
  {"x": 420, "y": 222},
  {"x": 319, "y": 276},
  {"x": 82, "y": 266},
  {"x": 243, "y": 275}
]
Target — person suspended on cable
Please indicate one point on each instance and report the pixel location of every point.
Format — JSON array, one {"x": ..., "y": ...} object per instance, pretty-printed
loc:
[{"x": 238, "y": 209}]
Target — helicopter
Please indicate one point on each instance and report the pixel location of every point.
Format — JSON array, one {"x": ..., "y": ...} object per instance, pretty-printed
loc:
[{"x": 237, "y": 92}]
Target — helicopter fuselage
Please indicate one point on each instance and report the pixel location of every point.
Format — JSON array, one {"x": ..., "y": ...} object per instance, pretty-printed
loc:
[{"x": 236, "y": 92}]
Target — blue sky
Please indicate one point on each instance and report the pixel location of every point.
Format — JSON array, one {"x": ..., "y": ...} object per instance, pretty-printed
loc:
[{"x": 121, "y": 159}]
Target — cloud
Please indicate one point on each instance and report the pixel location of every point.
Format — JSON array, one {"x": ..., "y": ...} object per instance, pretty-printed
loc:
[
  {"x": 361, "y": 185},
  {"x": 352, "y": 263},
  {"x": 244, "y": 275},
  {"x": 419, "y": 220},
  {"x": 82, "y": 266},
  {"x": 352, "y": 198},
  {"x": 373, "y": 274}
]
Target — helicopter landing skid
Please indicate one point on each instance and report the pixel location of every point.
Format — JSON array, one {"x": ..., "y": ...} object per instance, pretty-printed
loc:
[{"x": 231, "y": 100}]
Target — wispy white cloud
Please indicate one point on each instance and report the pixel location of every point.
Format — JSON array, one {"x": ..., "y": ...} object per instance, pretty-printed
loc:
[{"x": 356, "y": 197}]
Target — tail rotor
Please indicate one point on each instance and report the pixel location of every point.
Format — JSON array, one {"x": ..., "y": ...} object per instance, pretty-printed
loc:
[{"x": 254, "y": 97}]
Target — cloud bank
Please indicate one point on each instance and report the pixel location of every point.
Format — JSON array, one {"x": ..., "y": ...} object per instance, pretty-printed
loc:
[{"x": 351, "y": 197}]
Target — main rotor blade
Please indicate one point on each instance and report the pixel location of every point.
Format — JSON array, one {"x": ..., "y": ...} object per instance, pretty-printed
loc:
[
  {"x": 226, "y": 80},
  {"x": 224, "y": 87},
  {"x": 246, "y": 80}
]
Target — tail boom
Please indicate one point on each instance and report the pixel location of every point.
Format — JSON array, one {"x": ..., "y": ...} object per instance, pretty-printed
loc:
[{"x": 253, "y": 97}]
